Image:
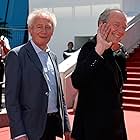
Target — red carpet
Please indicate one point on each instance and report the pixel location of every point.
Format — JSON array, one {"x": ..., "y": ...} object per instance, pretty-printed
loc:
[
  {"x": 131, "y": 88},
  {"x": 132, "y": 119}
]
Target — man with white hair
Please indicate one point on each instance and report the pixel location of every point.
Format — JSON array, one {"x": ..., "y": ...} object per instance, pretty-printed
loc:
[{"x": 34, "y": 98}]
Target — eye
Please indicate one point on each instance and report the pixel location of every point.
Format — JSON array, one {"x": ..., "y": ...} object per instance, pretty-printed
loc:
[
  {"x": 48, "y": 27},
  {"x": 116, "y": 25},
  {"x": 39, "y": 27}
]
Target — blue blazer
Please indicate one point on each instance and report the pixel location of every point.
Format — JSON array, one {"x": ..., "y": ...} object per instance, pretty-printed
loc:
[{"x": 26, "y": 101}]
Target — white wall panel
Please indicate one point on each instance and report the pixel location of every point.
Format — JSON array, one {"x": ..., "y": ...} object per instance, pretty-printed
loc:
[{"x": 77, "y": 18}]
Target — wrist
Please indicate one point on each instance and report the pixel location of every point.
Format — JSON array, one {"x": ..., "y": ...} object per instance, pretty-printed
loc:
[{"x": 99, "y": 50}]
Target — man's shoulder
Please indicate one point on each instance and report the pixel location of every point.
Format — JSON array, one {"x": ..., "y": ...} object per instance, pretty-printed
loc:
[
  {"x": 90, "y": 44},
  {"x": 19, "y": 48}
]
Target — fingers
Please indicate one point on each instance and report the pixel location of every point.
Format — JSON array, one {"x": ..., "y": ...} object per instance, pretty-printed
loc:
[
  {"x": 104, "y": 30},
  {"x": 103, "y": 42}
]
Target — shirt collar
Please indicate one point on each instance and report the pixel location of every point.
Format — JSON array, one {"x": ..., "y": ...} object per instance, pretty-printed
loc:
[{"x": 37, "y": 49}]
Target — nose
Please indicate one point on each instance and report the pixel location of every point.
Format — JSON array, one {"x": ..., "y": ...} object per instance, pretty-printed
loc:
[{"x": 121, "y": 31}]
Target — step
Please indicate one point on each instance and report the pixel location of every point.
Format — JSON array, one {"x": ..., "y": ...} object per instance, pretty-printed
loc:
[
  {"x": 133, "y": 75},
  {"x": 133, "y": 80},
  {"x": 131, "y": 93},
  {"x": 136, "y": 50},
  {"x": 133, "y": 59},
  {"x": 5, "y": 133},
  {"x": 131, "y": 100},
  {"x": 131, "y": 87},
  {"x": 133, "y": 64},
  {"x": 133, "y": 69},
  {"x": 134, "y": 54},
  {"x": 131, "y": 107},
  {"x": 4, "y": 122}
]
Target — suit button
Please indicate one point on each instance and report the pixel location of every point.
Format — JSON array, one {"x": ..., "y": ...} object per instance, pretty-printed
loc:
[{"x": 47, "y": 93}]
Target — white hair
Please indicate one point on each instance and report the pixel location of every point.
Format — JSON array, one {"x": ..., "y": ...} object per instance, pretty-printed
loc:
[{"x": 41, "y": 12}]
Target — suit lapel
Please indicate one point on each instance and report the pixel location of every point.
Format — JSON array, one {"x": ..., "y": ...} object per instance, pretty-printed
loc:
[{"x": 34, "y": 57}]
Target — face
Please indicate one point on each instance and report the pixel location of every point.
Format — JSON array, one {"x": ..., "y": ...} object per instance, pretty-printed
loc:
[
  {"x": 41, "y": 31},
  {"x": 70, "y": 45},
  {"x": 118, "y": 24}
]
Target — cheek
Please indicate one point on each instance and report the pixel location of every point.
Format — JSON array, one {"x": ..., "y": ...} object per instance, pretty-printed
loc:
[
  {"x": 32, "y": 33},
  {"x": 123, "y": 33},
  {"x": 50, "y": 34}
]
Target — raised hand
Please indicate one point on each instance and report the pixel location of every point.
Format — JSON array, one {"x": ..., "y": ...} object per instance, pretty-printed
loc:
[{"x": 102, "y": 38}]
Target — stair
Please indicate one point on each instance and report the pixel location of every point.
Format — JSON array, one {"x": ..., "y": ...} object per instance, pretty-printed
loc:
[{"x": 131, "y": 88}]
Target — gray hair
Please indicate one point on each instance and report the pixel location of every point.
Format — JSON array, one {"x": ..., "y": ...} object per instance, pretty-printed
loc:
[
  {"x": 41, "y": 12},
  {"x": 106, "y": 13}
]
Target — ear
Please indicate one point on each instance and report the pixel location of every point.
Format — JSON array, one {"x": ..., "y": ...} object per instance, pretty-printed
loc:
[{"x": 30, "y": 29}]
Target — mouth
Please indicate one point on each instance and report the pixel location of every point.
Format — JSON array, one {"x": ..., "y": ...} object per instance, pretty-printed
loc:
[{"x": 117, "y": 37}]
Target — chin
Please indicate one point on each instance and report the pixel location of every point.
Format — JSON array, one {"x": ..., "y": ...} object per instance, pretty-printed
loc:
[{"x": 116, "y": 41}]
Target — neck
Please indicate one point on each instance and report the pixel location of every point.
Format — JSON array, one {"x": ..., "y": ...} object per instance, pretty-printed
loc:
[
  {"x": 45, "y": 48},
  {"x": 69, "y": 49}
]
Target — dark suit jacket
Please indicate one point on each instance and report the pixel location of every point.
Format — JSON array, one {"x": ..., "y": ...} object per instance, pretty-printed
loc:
[
  {"x": 26, "y": 86},
  {"x": 121, "y": 56},
  {"x": 98, "y": 114}
]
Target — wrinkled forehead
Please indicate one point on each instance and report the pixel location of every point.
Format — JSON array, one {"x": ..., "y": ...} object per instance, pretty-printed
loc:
[{"x": 118, "y": 15}]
